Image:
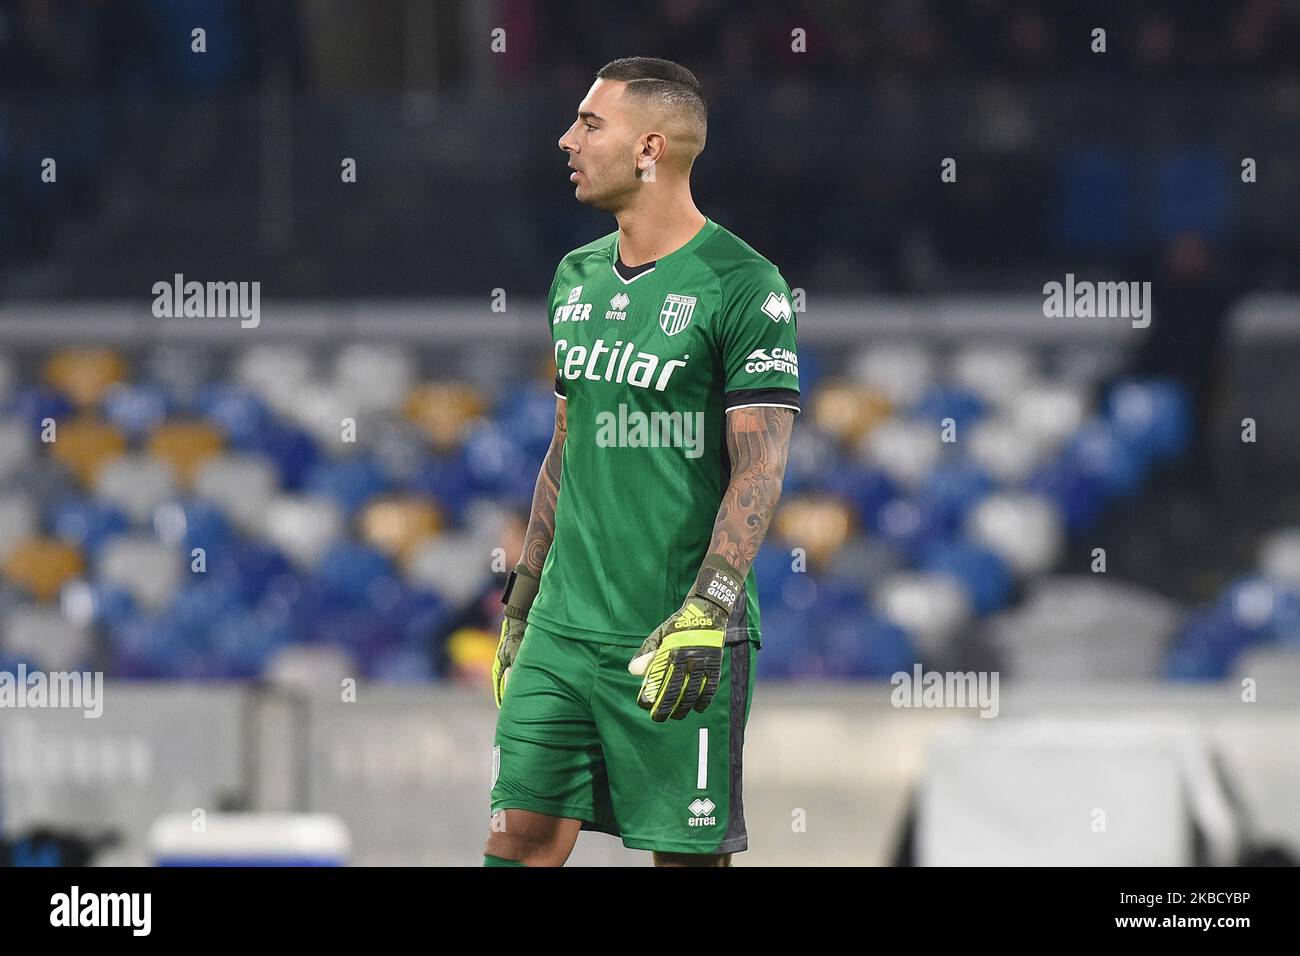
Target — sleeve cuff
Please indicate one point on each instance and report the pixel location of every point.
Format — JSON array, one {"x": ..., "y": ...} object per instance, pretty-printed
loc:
[{"x": 768, "y": 397}]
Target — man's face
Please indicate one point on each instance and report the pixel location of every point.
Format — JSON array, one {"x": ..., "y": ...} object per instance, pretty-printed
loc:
[{"x": 602, "y": 148}]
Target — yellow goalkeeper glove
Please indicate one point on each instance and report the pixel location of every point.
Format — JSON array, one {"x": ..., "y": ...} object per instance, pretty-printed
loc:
[
  {"x": 681, "y": 662},
  {"x": 521, "y": 589}
]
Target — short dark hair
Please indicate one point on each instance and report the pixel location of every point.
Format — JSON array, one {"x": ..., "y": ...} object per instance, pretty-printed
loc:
[{"x": 670, "y": 85}]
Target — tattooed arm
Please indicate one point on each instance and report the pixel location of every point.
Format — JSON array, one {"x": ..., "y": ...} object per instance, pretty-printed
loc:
[
  {"x": 541, "y": 520},
  {"x": 758, "y": 442}
]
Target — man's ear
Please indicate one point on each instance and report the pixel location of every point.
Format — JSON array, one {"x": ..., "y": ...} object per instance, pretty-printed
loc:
[{"x": 650, "y": 150}]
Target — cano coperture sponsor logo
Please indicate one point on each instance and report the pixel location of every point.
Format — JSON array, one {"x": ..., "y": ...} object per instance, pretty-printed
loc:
[
  {"x": 774, "y": 360},
  {"x": 629, "y": 428}
]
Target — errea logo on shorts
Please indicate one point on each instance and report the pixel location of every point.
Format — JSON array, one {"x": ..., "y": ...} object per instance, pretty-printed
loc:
[
  {"x": 702, "y": 813},
  {"x": 779, "y": 360}
]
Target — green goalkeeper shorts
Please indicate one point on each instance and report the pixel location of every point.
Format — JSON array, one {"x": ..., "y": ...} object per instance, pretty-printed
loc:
[{"x": 572, "y": 742}]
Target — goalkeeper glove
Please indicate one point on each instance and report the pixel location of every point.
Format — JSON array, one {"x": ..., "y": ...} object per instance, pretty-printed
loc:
[
  {"x": 681, "y": 662},
  {"x": 521, "y": 589}
]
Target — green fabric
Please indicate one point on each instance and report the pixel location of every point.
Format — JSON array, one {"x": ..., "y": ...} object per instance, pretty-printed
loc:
[
  {"x": 489, "y": 860},
  {"x": 646, "y": 375},
  {"x": 573, "y": 742}
]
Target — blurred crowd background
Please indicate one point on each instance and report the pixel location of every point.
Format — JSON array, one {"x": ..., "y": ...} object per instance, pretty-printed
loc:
[
  {"x": 225, "y": 165},
  {"x": 185, "y": 500},
  {"x": 230, "y": 159}
]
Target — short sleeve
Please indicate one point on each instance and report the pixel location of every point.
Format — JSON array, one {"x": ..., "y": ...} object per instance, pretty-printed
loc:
[
  {"x": 758, "y": 342},
  {"x": 550, "y": 310}
]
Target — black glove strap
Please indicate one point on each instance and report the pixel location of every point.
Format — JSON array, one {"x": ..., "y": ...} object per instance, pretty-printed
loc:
[
  {"x": 719, "y": 583},
  {"x": 521, "y": 590}
]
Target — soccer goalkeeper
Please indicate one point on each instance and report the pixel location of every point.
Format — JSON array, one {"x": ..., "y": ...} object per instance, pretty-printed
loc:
[{"x": 624, "y": 671}]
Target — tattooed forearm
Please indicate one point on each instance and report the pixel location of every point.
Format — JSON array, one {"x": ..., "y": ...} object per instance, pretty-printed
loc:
[
  {"x": 758, "y": 441},
  {"x": 541, "y": 522}
]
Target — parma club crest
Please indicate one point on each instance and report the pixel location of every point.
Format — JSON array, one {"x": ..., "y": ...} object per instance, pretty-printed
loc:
[{"x": 676, "y": 313}]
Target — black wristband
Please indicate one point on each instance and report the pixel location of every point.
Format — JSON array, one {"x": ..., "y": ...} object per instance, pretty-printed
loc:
[
  {"x": 522, "y": 587},
  {"x": 719, "y": 583}
]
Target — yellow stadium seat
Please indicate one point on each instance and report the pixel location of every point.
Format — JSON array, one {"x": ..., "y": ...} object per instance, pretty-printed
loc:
[
  {"x": 442, "y": 410},
  {"x": 849, "y": 411},
  {"x": 86, "y": 445},
  {"x": 185, "y": 446},
  {"x": 819, "y": 524},
  {"x": 41, "y": 566},
  {"x": 84, "y": 375},
  {"x": 398, "y": 526}
]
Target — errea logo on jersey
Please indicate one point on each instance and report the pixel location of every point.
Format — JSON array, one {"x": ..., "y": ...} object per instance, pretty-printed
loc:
[
  {"x": 618, "y": 307},
  {"x": 777, "y": 307},
  {"x": 779, "y": 360},
  {"x": 702, "y": 813}
]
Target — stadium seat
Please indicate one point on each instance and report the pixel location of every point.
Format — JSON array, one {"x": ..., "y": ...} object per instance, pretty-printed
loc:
[
  {"x": 274, "y": 372},
  {"x": 41, "y": 566},
  {"x": 987, "y": 580},
  {"x": 190, "y": 523},
  {"x": 380, "y": 376},
  {"x": 848, "y": 411},
  {"x": 42, "y": 636},
  {"x": 242, "y": 484},
  {"x": 147, "y": 569},
  {"x": 18, "y": 521},
  {"x": 136, "y": 408},
  {"x": 443, "y": 411},
  {"x": 84, "y": 375},
  {"x": 180, "y": 370},
  {"x": 1051, "y": 413},
  {"x": 932, "y": 607},
  {"x": 304, "y": 527},
  {"x": 901, "y": 372},
  {"x": 89, "y": 603},
  {"x": 906, "y": 451},
  {"x": 1025, "y": 530},
  {"x": 1005, "y": 449},
  {"x": 185, "y": 447},
  {"x": 997, "y": 374},
  {"x": 137, "y": 484},
  {"x": 454, "y": 566},
  {"x": 235, "y": 410},
  {"x": 16, "y": 448},
  {"x": 86, "y": 446},
  {"x": 396, "y": 527},
  {"x": 349, "y": 483},
  {"x": 321, "y": 409},
  {"x": 820, "y": 525}
]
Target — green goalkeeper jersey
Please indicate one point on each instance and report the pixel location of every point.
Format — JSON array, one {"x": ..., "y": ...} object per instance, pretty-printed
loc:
[{"x": 649, "y": 360}]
